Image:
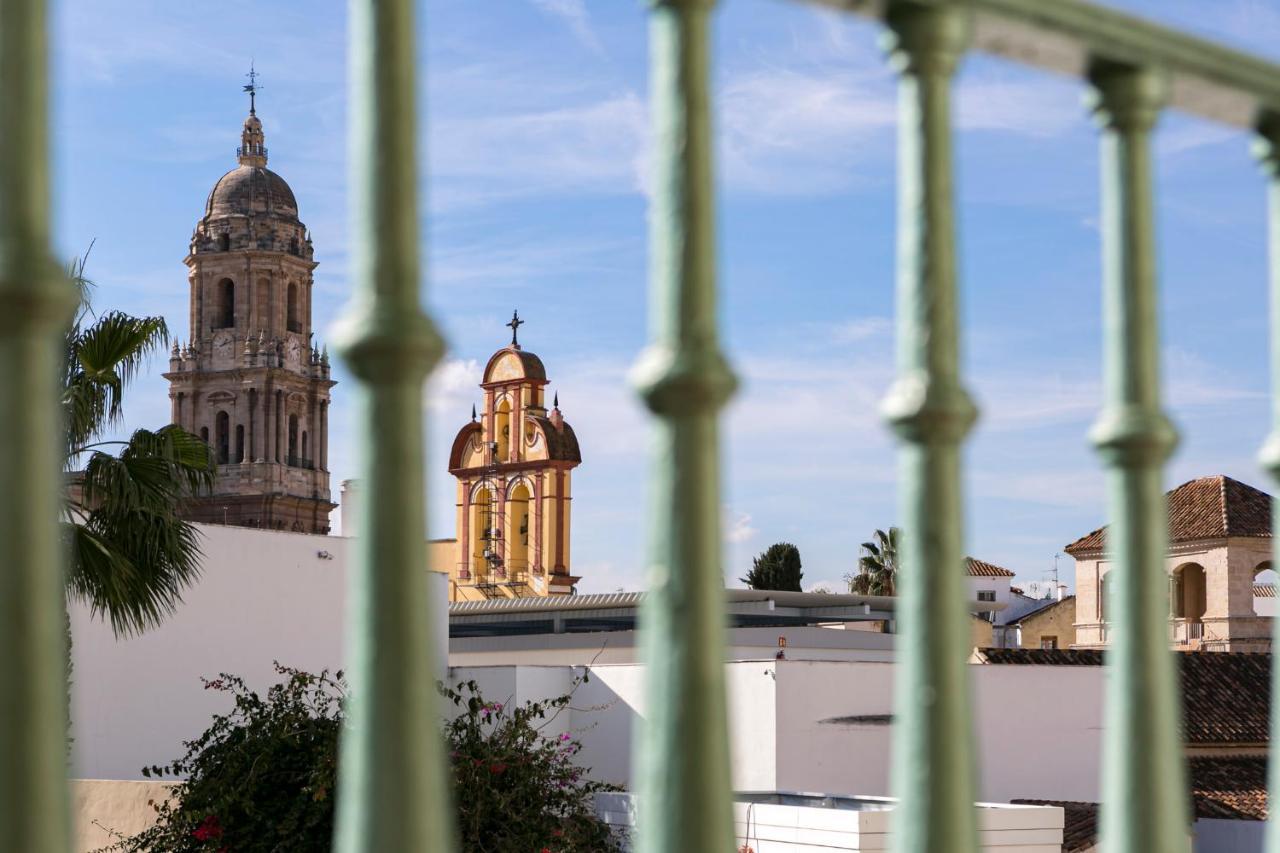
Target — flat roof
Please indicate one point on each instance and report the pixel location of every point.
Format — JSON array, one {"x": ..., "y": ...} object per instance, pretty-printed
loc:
[{"x": 617, "y": 611}]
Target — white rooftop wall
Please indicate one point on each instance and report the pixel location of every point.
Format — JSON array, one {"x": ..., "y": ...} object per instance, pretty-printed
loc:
[
  {"x": 263, "y": 596},
  {"x": 1039, "y": 727}
]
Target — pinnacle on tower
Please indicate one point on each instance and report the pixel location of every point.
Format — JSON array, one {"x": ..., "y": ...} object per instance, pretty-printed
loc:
[{"x": 253, "y": 142}]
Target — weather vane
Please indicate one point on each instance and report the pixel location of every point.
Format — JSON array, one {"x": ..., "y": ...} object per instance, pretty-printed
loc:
[
  {"x": 514, "y": 326},
  {"x": 252, "y": 88}
]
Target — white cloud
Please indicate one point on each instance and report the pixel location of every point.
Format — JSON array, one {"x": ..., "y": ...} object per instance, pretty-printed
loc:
[
  {"x": 453, "y": 387},
  {"x": 587, "y": 147},
  {"x": 740, "y": 529},
  {"x": 574, "y": 15}
]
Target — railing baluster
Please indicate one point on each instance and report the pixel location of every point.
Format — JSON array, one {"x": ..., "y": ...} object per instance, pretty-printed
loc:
[
  {"x": 928, "y": 408},
  {"x": 1267, "y": 148},
  {"x": 1144, "y": 789},
  {"x": 35, "y": 303},
  {"x": 682, "y": 749},
  {"x": 393, "y": 793}
]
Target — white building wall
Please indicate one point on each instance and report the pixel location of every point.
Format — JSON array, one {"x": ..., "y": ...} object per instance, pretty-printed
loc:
[
  {"x": 1038, "y": 727},
  {"x": 263, "y": 596},
  {"x": 607, "y": 707}
]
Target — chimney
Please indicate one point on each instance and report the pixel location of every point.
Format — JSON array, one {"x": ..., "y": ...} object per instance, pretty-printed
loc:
[
  {"x": 1060, "y": 591},
  {"x": 347, "y": 506}
]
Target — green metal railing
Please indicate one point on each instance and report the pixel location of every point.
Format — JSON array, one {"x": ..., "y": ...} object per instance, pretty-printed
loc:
[{"x": 393, "y": 791}]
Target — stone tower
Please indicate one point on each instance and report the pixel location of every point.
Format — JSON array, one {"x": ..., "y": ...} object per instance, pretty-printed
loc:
[
  {"x": 250, "y": 380},
  {"x": 514, "y": 465}
]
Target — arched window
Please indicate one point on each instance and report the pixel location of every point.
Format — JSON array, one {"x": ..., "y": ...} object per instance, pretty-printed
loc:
[
  {"x": 224, "y": 242},
  {"x": 278, "y": 415},
  {"x": 222, "y": 432},
  {"x": 502, "y": 426},
  {"x": 294, "y": 324},
  {"x": 204, "y": 434},
  {"x": 486, "y": 536},
  {"x": 226, "y": 309},
  {"x": 1188, "y": 592},
  {"x": 293, "y": 439},
  {"x": 1264, "y": 589},
  {"x": 239, "y": 457},
  {"x": 518, "y": 528}
]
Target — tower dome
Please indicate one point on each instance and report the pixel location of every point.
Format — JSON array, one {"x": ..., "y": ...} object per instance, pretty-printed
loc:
[
  {"x": 251, "y": 188},
  {"x": 251, "y": 191},
  {"x": 251, "y": 207}
]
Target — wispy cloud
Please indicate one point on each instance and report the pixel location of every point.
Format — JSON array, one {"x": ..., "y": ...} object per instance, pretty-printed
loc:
[{"x": 574, "y": 15}]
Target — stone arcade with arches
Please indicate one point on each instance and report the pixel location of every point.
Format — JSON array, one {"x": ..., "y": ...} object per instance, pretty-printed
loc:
[
  {"x": 1221, "y": 584},
  {"x": 250, "y": 380},
  {"x": 514, "y": 465}
]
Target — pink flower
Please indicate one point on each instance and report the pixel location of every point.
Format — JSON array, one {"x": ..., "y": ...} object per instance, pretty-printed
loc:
[{"x": 208, "y": 829}]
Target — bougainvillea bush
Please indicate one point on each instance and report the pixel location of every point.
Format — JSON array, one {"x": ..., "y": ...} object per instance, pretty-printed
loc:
[
  {"x": 517, "y": 789},
  {"x": 261, "y": 778}
]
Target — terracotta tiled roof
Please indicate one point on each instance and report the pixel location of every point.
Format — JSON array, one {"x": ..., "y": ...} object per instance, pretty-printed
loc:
[
  {"x": 1264, "y": 590},
  {"x": 1045, "y": 657},
  {"x": 1208, "y": 508},
  {"x": 1079, "y": 822},
  {"x": 1226, "y": 696},
  {"x": 562, "y": 444},
  {"x": 981, "y": 569},
  {"x": 1233, "y": 787}
]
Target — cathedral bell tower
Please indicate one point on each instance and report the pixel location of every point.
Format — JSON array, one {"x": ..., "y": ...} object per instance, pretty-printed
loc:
[
  {"x": 514, "y": 465},
  {"x": 250, "y": 380}
]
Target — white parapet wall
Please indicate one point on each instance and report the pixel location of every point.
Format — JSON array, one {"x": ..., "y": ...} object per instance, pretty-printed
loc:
[
  {"x": 827, "y": 725},
  {"x": 263, "y": 596},
  {"x": 104, "y": 811},
  {"x": 773, "y": 822}
]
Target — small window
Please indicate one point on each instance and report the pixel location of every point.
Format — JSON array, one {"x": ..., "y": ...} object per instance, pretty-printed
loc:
[
  {"x": 224, "y": 242},
  {"x": 986, "y": 595},
  {"x": 1049, "y": 642}
]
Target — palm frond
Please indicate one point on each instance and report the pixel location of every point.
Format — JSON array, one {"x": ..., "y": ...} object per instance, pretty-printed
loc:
[{"x": 134, "y": 553}]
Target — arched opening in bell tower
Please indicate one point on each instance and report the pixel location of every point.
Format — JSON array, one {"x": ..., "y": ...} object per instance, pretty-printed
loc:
[
  {"x": 293, "y": 440},
  {"x": 502, "y": 428},
  {"x": 486, "y": 537},
  {"x": 226, "y": 309},
  {"x": 222, "y": 436},
  {"x": 518, "y": 527},
  {"x": 294, "y": 324}
]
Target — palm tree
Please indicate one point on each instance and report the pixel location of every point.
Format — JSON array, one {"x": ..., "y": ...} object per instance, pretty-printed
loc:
[
  {"x": 878, "y": 565},
  {"x": 131, "y": 552}
]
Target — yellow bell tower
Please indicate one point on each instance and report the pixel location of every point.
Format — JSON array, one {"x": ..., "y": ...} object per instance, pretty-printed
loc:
[{"x": 514, "y": 465}]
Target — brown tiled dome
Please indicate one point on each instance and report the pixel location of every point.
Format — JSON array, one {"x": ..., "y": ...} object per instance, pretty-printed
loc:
[{"x": 251, "y": 190}]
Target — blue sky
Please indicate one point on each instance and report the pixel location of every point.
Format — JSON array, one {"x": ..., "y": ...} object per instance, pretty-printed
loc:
[{"x": 535, "y": 152}]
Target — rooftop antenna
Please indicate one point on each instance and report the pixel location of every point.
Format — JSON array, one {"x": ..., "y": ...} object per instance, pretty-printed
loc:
[{"x": 252, "y": 88}]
